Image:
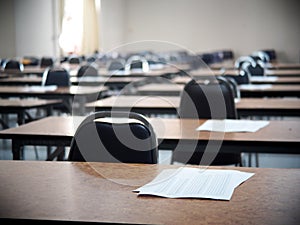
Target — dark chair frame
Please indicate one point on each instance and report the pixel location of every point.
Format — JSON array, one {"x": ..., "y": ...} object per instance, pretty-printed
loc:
[{"x": 88, "y": 136}]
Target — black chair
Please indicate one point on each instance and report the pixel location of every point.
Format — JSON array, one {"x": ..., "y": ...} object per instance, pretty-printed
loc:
[
  {"x": 137, "y": 62},
  {"x": 60, "y": 77},
  {"x": 101, "y": 138},
  {"x": 46, "y": 61},
  {"x": 74, "y": 60},
  {"x": 56, "y": 76},
  {"x": 12, "y": 64},
  {"x": 271, "y": 53},
  {"x": 87, "y": 70},
  {"x": 253, "y": 70},
  {"x": 116, "y": 64},
  {"x": 213, "y": 99},
  {"x": 241, "y": 60}
]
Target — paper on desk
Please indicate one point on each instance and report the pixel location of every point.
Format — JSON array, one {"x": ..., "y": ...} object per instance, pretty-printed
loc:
[
  {"x": 229, "y": 125},
  {"x": 187, "y": 182},
  {"x": 264, "y": 78},
  {"x": 255, "y": 86},
  {"x": 43, "y": 88}
]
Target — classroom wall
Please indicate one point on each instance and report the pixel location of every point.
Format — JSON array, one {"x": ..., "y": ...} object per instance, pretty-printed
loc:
[
  {"x": 197, "y": 25},
  {"x": 200, "y": 25},
  {"x": 7, "y": 34}
]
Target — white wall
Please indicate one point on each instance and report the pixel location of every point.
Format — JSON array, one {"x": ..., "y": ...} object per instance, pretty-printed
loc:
[
  {"x": 112, "y": 24},
  {"x": 34, "y": 28},
  {"x": 7, "y": 34},
  {"x": 200, "y": 25}
]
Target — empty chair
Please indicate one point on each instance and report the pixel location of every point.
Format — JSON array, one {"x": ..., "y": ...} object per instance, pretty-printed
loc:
[
  {"x": 239, "y": 61},
  {"x": 208, "y": 58},
  {"x": 261, "y": 56},
  {"x": 30, "y": 61},
  {"x": 108, "y": 136},
  {"x": 87, "y": 70},
  {"x": 12, "y": 64},
  {"x": 271, "y": 54},
  {"x": 60, "y": 77},
  {"x": 56, "y": 76},
  {"x": 137, "y": 62},
  {"x": 74, "y": 60},
  {"x": 233, "y": 84},
  {"x": 253, "y": 70},
  {"x": 46, "y": 61},
  {"x": 213, "y": 99},
  {"x": 116, "y": 64}
]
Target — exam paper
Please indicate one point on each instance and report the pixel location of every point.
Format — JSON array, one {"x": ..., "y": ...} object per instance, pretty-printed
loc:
[
  {"x": 43, "y": 88},
  {"x": 195, "y": 183},
  {"x": 255, "y": 86},
  {"x": 231, "y": 125},
  {"x": 264, "y": 78}
]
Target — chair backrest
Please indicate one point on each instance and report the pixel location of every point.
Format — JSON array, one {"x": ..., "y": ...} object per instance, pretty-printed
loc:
[
  {"x": 56, "y": 76},
  {"x": 137, "y": 62},
  {"x": 210, "y": 99},
  {"x": 253, "y": 70},
  {"x": 234, "y": 86},
  {"x": 102, "y": 137},
  {"x": 240, "y": 61},
  {"x": 271, "y": 53},
  {"x": 116, "y": 64},
  {"x": 87, "y": 70},
  {"x": 12, "y": 64},
  {"x": 74, "y": 60},
  {"x": 46, "y": 61}
]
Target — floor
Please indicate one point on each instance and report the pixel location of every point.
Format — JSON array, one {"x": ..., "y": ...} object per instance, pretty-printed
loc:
[{"x": 265, "y": 160}]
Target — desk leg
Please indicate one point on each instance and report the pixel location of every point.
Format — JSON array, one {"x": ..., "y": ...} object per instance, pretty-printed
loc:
[
  {"x": 21, "y": 117},
  {"x": 16, "y": 150}
]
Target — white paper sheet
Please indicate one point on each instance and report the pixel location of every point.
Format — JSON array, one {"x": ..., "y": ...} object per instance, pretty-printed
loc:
[
  {"x": 229, "y": 125},
  {"x": 264, "y": 78},
  {"x": 195, "y": 183},
  {"x": 43, "y": 88},
  {"x": 255, "y": 86}
]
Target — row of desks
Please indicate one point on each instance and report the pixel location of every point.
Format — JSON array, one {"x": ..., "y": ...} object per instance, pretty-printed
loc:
[
  {"x": 173, "y": 134},
  {"x": 120, "y": 82},
  {"x": 170, "y": 105}
]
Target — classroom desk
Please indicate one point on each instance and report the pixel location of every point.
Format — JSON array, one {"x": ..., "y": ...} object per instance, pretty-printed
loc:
[
  {"x": 277, "y": 137},
  {"x": 278, "y": 73},
  {"x": 82, "y": 94},
  {"x": 283, "y": 66},
  {"x": 37, "y": 70},
  {"x": 21, "y": 80},
  {"x": 19, "y": 106},
  {"x": 169, "y": 105},
  {"x": 270, "y": 66},
  {"x": 112, "y": 82},
  {"x": 97, "y": 192},
  {"x": 251, "y": 90},
  {"x": 260, "y": 90},
  {"x": 254, "y": 80}
]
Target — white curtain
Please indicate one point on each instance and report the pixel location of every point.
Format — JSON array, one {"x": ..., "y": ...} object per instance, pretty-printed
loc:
[
  {"x": 90, "y": 37},
  {"x": 80, "y": 30}
]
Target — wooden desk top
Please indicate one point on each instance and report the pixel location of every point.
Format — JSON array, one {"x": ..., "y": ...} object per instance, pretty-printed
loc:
[
  {"x": 284, "y": 73},
  {"x": 164, "y": 89},
  {"x": 161, "y": 102},
  {"x": 102, "y": 192},
  {"x": 272, "y": 66},
  {"x": 39, "y": 90},
  {"x": 8, "y": 104},
  {"x": 166, "y": 129},
  {"x": 254, "y": 80}
]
